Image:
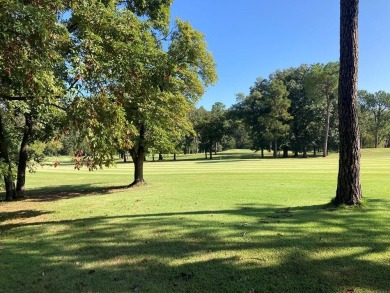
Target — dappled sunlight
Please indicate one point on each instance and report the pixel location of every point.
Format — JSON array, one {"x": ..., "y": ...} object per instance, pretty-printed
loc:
[
  {"x": 220, "y": 230},
  {"x": 271, "y": 242}
]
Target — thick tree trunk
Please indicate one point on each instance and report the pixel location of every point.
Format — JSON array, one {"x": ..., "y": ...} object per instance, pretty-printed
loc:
[
  {"x": 296, "y": 153},
  {"x": 348, "y": 183},
  {"x": 211, "y": 151},
  {"x": 205, "y": 153},
  {"x": 7, "y": 175},
  {"x": 160, "y": 157},
  {"x": 23, "y": 157},
  {"x": 327, "y": 126},
  {"x": 138, "y": 156}
]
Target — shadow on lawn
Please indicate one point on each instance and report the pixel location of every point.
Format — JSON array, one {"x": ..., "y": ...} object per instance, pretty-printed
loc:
[
  {"x": 59, "y": 192},
  {"x": 21, "y": 214},
  {"x": 298, "y": 249}
]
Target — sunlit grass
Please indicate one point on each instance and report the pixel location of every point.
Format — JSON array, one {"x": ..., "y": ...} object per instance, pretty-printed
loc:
[{"x": 226, "y": 225}]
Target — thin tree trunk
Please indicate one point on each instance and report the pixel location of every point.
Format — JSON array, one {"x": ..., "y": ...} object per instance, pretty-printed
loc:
[
  {"x": 304, "y": 154},
  {"x": 327, "y": 126},
  {"x": 138, "y": 156},
  {"x": 315, "y": 151},
  {"x": 211, "y": 151},
  {"x": 174, "y": 156},
  {"x": 23, "y": 157},
  {"x": 348, "y": 184},
  {"x": 262, "y": 153},
  {"x": 7, "y": 175},
  {"x": 376, "y": 137},
  {"x": 275, "y": 148}
]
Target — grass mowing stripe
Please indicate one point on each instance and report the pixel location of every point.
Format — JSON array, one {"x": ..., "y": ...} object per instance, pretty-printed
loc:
[{"x": 199, "y": 226}]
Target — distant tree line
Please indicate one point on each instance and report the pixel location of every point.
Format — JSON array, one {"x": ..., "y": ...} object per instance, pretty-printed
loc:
[{"x": 293, "y": 110}]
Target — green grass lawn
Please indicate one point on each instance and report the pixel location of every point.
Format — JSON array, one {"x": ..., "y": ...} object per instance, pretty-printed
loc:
[{"x": 229, "y": 225}]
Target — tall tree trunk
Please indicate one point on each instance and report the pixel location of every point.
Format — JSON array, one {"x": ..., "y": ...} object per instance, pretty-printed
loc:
[
  {"x": 376, "y": 137},
  {"x": 348, "y": 184},
  {"x": 138, "y": 156},
  {"x": 327, "y": 126},
  {"x": 7, "y": 175},
  {"x": 275, "y": 148},
  {"x": 211, "y": 151},
  {"x": 315, "y": 151},
  {"x": 174, "y": 156},
  {"x": 262, "y": 153},
  {"x": 23, "y": 156}
]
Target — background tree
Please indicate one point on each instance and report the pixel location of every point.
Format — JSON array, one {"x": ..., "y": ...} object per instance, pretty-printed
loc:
[
  {"x": 265, "y": 112},
  {"x": 210, "y": 127},
  {"x": 321, "y": 86},
  {"x": 375, "y": 110},
  {"x": 304, "y": 126},
  {"x": 348, "y": 183}
]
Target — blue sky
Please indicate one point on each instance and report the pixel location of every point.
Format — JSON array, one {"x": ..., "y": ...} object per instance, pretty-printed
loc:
[{"x": 253, "y": 38}]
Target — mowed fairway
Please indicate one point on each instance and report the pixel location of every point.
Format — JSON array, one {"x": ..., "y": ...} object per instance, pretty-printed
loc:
[{"x": 227, "y": 225}]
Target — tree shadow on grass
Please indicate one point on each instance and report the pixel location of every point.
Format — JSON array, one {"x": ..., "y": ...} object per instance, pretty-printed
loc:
[
  {"x": 269, "y": 249},
  {"x": 59, "y": 192},
  {"x": 20, "y": 215}
]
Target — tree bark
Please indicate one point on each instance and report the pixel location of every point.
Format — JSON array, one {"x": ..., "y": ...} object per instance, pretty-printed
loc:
[
  {"x": 138, "y": 156},
  {"x": 160, "y": 157},
  {"x": 348, "y": 184},
  {"x": 23, "y": 156},
  {"x": 7, "y": 175}
]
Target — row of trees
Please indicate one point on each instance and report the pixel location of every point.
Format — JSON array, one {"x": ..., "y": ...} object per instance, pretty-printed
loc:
[
  {"x": 294, "y": 109},
  {"x": 114, "y": 74}
]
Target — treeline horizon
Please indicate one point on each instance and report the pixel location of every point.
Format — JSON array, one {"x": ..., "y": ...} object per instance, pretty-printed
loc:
[{"x": 294, "y": 109}]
